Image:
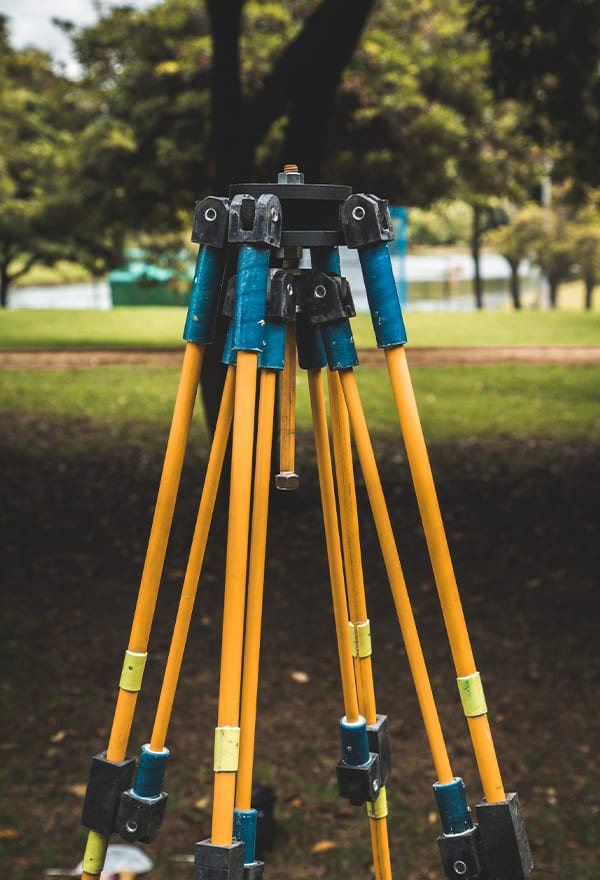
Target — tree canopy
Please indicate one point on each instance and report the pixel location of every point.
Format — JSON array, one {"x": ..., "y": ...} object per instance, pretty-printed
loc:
[
  {"x": 546, "y": 54},
  {"x": 45, "y": 214}
]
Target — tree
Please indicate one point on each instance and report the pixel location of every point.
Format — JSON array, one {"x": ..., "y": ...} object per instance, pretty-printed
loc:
[
  {"x": 43, "y": 214},
  {"x": 546, "y": 55},
  {"x": 587, "y": 244},
  {"x": 553, "y": 245},
  {"x": 515, "y": 241}
]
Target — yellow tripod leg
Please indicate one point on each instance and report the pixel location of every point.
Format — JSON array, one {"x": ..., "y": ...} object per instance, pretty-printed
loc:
[
  {"x": 332, "y": 540},
  {"x": 194, "y": 566},
  {"x": 256, "y": 576},
  {"x": 357, "y": 603},
  {"x": 227, "y": 734},
  {"x": 396, "y": 577},
  {"x": 97, "y": 844},
  {"x": 435, "y": 535}
]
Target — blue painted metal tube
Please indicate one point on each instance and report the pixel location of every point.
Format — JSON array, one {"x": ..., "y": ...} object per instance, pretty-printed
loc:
[
  {"x": 150, "y": 772},
  {"x": 250, "y": 298},
  {"x": 339, "y": 345},
  {"x": 272, "y": 356},
  {"x": 337, "y": 337},
  {"x": 453, "y": 807},
  {"x": 244, "y": 829},
  {"x": 384, "y": 302},
  {"x": 355, "y": 741},
  {"x": 311, "y": 351},
  {"x": 229, "y": 355},
  {"x": 325, "y": 259},
  {"x": 205, "y": 295}
]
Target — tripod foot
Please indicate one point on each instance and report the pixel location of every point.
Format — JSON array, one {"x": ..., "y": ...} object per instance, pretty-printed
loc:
[{"x": 219, "y": 862}]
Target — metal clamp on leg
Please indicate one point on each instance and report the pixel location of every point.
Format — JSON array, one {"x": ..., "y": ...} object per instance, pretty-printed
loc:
[
  {"x": 142, "y": 807},
  {"x": 379, "y": 743},
  {"x": 107, "y": 781},
  {"x": 460, "y": 845},
  {"x": 505, "y": 843},
  {"x": 358, "y": 773}
]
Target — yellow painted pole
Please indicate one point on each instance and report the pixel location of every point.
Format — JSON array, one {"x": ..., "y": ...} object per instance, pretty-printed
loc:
[
  {"x": 227, "y": 735},
  {"x": 396, "y": 577},
  {"x": 441, "y": 562},
  {"x": 357, "y": 603},
  {"x": 194, "y": 566},
  {"x": 332, "y": 540},
  {"x": 256, "y": 577},
  {"x": 150, "y": 582}
]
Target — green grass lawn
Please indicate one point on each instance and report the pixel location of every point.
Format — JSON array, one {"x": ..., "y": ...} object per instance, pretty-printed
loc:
[
  {"x": 478, "y": 403},
  {"x": 156, "y": 327}
]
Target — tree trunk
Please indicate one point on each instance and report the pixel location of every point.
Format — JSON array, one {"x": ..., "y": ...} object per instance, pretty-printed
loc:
[
  {"x": 515, "y": 283},
  {"x": 590, "y": 283},
  {"x": 303, "y": 83},
  {"x": 3, "y": 286},
  {"x": 305, "y": 80},
  {"x": 476, "y": 250},
  {"x": 233, "y": 155},
  {"x": 553, "y": 292}
]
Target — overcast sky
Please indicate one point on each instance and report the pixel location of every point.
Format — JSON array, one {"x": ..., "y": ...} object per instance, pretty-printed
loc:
[{"x": 30, "y": 21}]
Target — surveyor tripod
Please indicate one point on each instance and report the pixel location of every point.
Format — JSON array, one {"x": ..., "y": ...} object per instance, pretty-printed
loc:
[{"x": 280, "y": 311}]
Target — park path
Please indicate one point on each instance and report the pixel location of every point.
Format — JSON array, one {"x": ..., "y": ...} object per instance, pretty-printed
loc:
[{"x": 438, "y": 356}]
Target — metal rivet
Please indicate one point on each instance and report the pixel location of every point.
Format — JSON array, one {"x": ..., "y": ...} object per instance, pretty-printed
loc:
[
  {"x": 460, "y": 867},
  {"x": 274, "y": 215},
  {"x": 210, "y": 214},
  {"x": 359, "y": 213},
  {"x": 320, "y": 291},
  {"x": 131, "y": 826},
  {"x": 290, "y": 289}
]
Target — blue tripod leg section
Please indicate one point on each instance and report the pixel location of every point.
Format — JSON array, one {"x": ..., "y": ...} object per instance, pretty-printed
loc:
[
  {"x": 367, "y": 226},
  {"x": 311, "y": 351},
  {"x": 461, "y": 846},
  {"x": 244, "y": 829},
  {"x": 204, "y": 297},
  {"x": 211, "y": 221},
  {"x": 325, "y": 259},
  {"x": 142, "y": 807},
  {"x": 384, "y": 302},
  {"x": 250, "y": 298},
  {"x": 329, "y": 291}
]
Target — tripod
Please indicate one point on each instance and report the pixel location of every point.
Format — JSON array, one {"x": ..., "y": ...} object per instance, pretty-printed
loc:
[{"x": 280, "y": 311}]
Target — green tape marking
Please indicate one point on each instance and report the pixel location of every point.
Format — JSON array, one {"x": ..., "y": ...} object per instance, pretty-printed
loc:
[
  {"x": 471, "y": 695},
  {"x": 227, "y": 749},
  {"x": 95, "y": 853},
  {"x": 360, "y": 636},
  {"x": 133, "y": 671}
]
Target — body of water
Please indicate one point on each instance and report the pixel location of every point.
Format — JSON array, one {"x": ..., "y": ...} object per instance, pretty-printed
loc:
[{"x": 432, "y": 283}]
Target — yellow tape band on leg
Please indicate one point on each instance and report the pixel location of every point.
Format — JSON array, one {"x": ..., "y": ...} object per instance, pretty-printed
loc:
[
  {"x": 227, "y": 749},
  {"x": 472, "y": 696},
  {"x": 379, "y": 809},
  {"x": 133, "y": 671},
  {"x": 360, "y": 637},
  {"x": 95, "y": 853}
]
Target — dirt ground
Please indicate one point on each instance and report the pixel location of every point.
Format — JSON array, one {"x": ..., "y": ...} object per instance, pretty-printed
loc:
[
  {"x": 522, "y": 524},
  {"x": 438, "y": 356}
]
